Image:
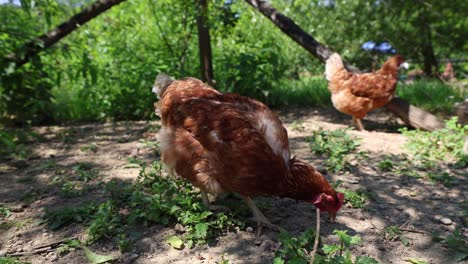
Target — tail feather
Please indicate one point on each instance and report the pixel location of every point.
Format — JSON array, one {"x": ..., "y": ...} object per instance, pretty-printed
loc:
[
  {"x": 333, "y": 65},
  {"x": 162, "y": 82}
]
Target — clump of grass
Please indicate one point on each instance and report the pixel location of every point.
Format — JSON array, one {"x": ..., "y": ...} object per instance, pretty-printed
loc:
[
  {"x": 306, "y": 91},
  {"x": 335, "y": 146},
  {"x": 432, "y": 96}
]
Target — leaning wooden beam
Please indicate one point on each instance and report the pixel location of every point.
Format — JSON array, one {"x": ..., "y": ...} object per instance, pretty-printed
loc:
[
  {"x": 410, "y": 114},
  {"x": 33, "y": 47}
]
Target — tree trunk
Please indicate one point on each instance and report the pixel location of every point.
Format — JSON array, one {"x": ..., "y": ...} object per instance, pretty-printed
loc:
[
  {"x": 411, "y": 115},
  {"x": 204, "y": 44},
  {"x": 430, "y": 61},
  {"x": 32, "y": 48}
]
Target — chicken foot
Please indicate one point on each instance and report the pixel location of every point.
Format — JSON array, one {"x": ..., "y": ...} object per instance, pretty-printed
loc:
[
  {"x": 260, "y": 218},
  {"x": 358, "y": 124},
  {"x": 210, "y": 206}
]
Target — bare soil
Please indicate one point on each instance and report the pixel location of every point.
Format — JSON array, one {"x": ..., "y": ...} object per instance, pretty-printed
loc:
[{"x": 416, "y": 205}]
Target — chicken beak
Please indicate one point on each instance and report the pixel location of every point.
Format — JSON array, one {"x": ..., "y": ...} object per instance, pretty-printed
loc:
[{"x": 331, "y": 216}]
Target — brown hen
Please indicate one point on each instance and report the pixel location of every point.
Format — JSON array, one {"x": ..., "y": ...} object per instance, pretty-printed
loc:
[
  {"x": 357, "y": 94},
  {"x": 230, "y": 143}
]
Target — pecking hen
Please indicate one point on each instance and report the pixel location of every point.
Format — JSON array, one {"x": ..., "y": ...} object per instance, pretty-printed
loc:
[
  {"x": 357, "y": 94},
  {"x": 230, "y": 143}
]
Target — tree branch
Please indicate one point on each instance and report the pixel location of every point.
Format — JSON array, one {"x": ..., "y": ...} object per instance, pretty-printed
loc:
[{"x": 32, "y": 48}]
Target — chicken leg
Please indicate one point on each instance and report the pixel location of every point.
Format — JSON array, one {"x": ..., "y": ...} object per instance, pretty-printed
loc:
[
  {"x": 210, "y": 206},
  {"x": 358, "y": 124},
  {"x": 260, "y": 218}
]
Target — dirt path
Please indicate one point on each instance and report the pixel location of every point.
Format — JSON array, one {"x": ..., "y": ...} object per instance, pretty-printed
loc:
[{"x": 29, "y": 188}]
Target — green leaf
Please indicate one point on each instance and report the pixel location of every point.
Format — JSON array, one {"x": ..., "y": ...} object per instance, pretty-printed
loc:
[
  {"x": 175, "y": 242},
  {"x": 201, "y": 230},
  {"x": 330, "y": 249},
  {"x": 404, "y": 240},
  {"x": 95, "y": 258},
  {"x": 459, "y": 256},
  {"x": 415, "y": 261},
  {"x": 365, "y": 260},
  {"x": 355, "y": 240},
  {"x": 278, "y": 260}
]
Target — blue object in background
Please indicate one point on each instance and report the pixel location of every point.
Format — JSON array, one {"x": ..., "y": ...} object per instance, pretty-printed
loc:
[
  {"x": 383, "y": 47},
  {"x": 368, "y": 46}
]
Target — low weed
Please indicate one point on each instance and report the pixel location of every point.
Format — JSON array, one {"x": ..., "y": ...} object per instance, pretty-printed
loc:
[
  {"x": 90, "y": 147},
  {"x": 356, "y": 199},
  {"x": 153, "y": 199},
  {"x": 335, "y": 145},
  {"x": 429, "y": 148},
  {"x": 69, "y": 246},
  {"x": 456, "y": 242},
  {"x": 386, "y": 165},
  {"x": 393, "y": 233},
  {"x": 4, "y": 212},
  {"x": 297, "y": 126},
  {"x": 296, "y": 250}
]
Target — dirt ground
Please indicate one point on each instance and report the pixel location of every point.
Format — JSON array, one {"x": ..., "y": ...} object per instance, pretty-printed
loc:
[{"x": 416, "y": 205}]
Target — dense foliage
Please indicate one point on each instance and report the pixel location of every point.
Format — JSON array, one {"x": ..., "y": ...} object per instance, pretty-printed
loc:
[{"x": 106, "y": 68}]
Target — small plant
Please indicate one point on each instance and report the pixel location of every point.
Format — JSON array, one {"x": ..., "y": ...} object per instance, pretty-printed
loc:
[
  {"x": 357, "y": 199},
  {"x": 71, "y": 189},
  {"x": 393, "y": 233},
  {"x": 4, "y": 212},
  {"x": 296, "y": 250},
  {"x": 297, "y": 126},
  {"x": 335, "y": 145},
  {"x": 85, "y": 172},
  {"x": 68, "y": 136},
  {"x": 68, "y": 246},
  {"x": 386, "y": 165},
  {"x": 91, "y": 147},
  {"x": 406, "y": 169},
  {"x": 456, "y": 242}
]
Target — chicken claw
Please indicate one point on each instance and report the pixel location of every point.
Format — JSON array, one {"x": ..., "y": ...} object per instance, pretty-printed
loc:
[{"x": 260, "y": 218}]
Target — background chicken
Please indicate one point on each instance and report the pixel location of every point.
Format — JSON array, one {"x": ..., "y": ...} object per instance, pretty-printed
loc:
[
  {"x": 357, "y": 94},
  {"x": 230, "y": 143}
]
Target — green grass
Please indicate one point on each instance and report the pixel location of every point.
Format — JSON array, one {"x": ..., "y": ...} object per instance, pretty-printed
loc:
[
  {"x": 306, "y": 91},
  {"x": 433, "y": 96}
]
